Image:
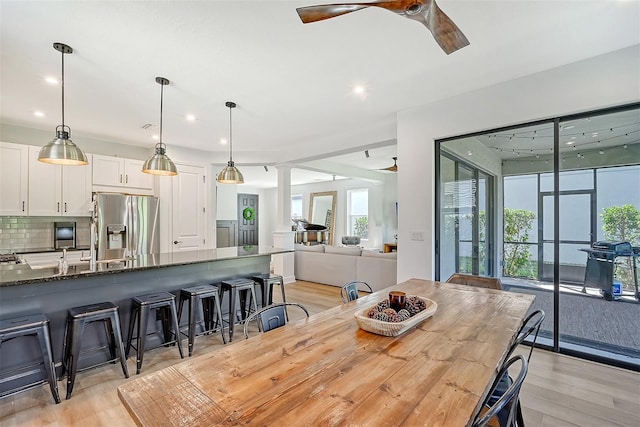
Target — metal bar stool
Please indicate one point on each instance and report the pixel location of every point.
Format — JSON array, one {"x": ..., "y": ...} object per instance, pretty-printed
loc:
[
  {"x": 266, "y": 282},
  {"x": 77, "y": 319},
  {"x": 38, "y": 325},
  {"x": 205, "y": 294},
  {"x": 140, "y": 309},
  {"x": 238, "y": 291}
]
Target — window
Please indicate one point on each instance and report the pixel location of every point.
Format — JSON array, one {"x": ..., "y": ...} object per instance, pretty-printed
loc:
[
  {"x": 296, "y": 206},
  {"x": 358, "y": 213}
]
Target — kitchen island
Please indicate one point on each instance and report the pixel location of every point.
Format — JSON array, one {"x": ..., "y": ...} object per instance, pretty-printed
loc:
[{"x": 26, "y": 291}]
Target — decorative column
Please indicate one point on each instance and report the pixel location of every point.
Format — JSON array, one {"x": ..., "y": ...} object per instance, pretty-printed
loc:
[{"x": 283, "y": 236}]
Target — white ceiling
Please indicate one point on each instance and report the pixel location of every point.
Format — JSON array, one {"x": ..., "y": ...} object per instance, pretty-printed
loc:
[{"x": 292, "y": 82}]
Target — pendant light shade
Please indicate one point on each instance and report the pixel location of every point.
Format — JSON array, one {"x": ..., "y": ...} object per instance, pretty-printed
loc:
[
  {"x": 160, "y": 163},
  {"x": 230, "y": 174},
  {"x": 61, "y": 150}
]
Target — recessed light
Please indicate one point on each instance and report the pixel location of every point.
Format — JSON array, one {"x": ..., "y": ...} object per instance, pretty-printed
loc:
[
  {"x": 51, "y": 80},
  {"x": 190, "y": 118},
  {"x": 38, "y": 114},
  {"x": 359, "y": 89},
  {"x": 223, "y": 141},
  {"x": 156, "y": 137}
]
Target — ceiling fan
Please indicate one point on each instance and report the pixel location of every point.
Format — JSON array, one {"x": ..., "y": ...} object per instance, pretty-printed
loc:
[
  {"x": 393, "y": 168},
  {"x": 427, "y": 12}
]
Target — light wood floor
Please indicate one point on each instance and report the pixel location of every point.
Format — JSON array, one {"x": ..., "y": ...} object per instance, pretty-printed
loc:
[{"x": 558, "y": 391}]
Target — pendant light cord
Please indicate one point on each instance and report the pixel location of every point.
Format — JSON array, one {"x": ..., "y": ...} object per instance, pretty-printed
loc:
[
  {"x": 62, "y": 53},
  {"x": 161, "y": 101},
  {"x": 230, "y": 136}
]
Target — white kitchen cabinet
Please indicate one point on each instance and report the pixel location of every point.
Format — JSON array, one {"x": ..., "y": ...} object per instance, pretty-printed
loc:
[
  {"x": 14, "y": 178},
  {"x": 56, "y": 190},
  {"x": 121, "y": 173}
]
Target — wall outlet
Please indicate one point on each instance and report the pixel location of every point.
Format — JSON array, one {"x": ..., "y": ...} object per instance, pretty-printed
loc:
[{"x": 417, "y": 235}]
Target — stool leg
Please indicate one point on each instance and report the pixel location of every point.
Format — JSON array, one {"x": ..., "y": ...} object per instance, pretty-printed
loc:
[
  {"x": 132, "y": 324},
  {"x": 110, "y": 339},
  {"x": 77, "y": 328},
  {"x": 269, "y": 292},
  {"x": 252, "y": 298},
  {"x": 216, "y": 300},
  {"x": 118, "y": 339},
  {"x": 143, "y": 318},
  {"x": 176, "y": 327},
  {"x": 192, "y": 322},
  {"x": 45, "y": 344},
  {"x": 284, "y": 297},
  {"x": 232, "y": 312}
]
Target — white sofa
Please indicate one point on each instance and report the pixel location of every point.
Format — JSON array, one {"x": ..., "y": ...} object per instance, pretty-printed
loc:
[{"x": 333, "y": 265}]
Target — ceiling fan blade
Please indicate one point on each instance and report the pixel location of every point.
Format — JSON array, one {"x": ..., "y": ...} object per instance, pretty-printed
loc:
[
  {"x": 393, "y": 168},
  {"x": 318, "y": 13},
  {"x": 427, "y": 12},
  {"x": 445, "y": 32}
]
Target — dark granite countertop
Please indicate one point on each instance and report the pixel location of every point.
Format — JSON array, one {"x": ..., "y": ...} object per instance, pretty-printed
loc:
[{"x": 22, "y": 274}]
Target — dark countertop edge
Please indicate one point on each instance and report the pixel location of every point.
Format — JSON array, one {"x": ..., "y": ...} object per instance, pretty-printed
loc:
[{"x": 74, "y": 275}]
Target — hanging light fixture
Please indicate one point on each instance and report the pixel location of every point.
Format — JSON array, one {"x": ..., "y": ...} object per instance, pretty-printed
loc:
[
  {"x": 160, "y": 163},
  {"x": 230, "y": 174},
  {"x": 62, "y": 150}
]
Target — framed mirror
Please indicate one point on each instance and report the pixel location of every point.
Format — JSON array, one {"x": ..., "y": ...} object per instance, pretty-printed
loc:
[{"x": 322, "y": 208}]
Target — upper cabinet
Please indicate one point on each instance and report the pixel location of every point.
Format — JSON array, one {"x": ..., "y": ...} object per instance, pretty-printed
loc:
[
  {"x": 120, "y": 174},
  {"x": 14, "y": 177},
  {"x": 56, "y": 190}
]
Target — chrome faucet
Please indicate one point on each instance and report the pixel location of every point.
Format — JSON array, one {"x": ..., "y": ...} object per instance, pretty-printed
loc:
[{"x": 93, "y": 228}]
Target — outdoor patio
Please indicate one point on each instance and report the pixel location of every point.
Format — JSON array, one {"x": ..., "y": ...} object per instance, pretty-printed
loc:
[{"x": 587, "y": 319}]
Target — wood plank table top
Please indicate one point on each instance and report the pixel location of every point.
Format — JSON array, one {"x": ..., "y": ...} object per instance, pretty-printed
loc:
[{"x": 326, "y": 371}]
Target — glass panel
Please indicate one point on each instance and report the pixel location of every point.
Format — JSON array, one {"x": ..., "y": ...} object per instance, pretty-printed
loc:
[
  {"x": 593, "y": 319},
  {"x": 575, "y": 217},
  {"x": 448, "y": 216}
]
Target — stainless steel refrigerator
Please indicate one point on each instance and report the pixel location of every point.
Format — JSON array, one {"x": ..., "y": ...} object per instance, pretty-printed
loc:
[{"x": 126, "y": 225}]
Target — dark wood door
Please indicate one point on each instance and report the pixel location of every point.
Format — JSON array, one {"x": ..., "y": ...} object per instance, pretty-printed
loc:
[{"x": 247, "y": 219}]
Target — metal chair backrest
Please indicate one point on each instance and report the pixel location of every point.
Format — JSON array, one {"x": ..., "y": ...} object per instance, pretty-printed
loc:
[
  {"x": 271, "y": 317},
  {"x": 508, "y": 400},
  {"x": 478, "y": 281},
  {"x": 531, "y": 324},
  {"x": 349, "y": 291}
]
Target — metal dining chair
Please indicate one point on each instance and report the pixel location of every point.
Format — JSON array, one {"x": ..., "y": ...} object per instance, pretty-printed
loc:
[
  {"x": 530, "y": 326},
  {"x": 502, "y": 412},
  {"x": 477, "y": 281},
  {"x": 271, "y": 317},
  {"x": 349, "y": 291}
]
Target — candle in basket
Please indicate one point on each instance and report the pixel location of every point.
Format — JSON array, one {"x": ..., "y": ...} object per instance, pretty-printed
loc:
[{"x": 397, "y": 300}]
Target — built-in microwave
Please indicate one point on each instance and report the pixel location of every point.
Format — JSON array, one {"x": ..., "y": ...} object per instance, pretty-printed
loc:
[{"x": 64, "y": 235}]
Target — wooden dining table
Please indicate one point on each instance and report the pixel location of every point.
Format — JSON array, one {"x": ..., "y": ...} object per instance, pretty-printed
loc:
[{"x": 326, "y": 371}]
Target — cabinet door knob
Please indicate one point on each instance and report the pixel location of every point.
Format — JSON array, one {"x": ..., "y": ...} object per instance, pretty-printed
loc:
[
  {"x": 65, "y": 207},
  {"x": 175, "y": 242},
  {"x": 126, "y": 179},
  {"x": 120, "y": 178},
  {"x": 23, "y": 206},
  {"x": 58, "y": 209}
]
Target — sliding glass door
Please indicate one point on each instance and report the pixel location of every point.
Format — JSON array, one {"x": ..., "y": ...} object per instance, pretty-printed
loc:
[
  {"x": 465, "y": 220},
  {"x": 567, "y": 215}
]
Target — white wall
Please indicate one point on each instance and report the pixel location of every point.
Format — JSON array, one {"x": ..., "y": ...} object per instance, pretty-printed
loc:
[{"x": 599, "y": 82}]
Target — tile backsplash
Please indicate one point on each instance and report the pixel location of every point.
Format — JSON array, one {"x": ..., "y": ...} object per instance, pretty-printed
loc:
[{"x": 35, "y": 233}]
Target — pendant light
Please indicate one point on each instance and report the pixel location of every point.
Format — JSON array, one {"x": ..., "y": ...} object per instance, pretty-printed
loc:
[
  {"x": 62, "y": 150},
  {"x": 230, "y": 174},
  {"x": 160, "y": 163}
]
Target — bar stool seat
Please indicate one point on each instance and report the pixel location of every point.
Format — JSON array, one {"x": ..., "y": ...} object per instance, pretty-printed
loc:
[
  {"x": 140, "y": 308},
  {"x": 77, "y": 319},
  {"x": 205, "y": 295},
  {"x": 266, "y": 282},
  {"x": 238, "y": 290},
  {"x": 38, "y": 325}
]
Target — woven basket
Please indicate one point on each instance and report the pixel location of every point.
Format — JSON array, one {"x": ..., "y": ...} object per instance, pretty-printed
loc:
[{"x": 393, "y": 329}]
